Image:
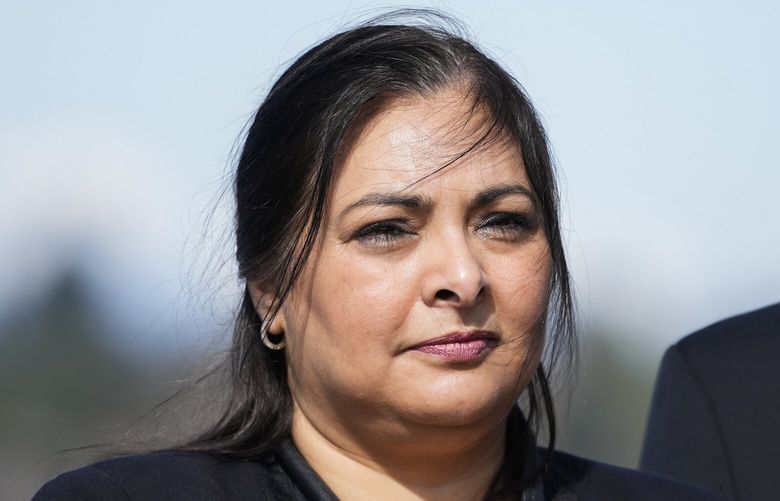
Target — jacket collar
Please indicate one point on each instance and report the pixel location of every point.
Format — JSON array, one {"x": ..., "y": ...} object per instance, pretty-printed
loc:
[{"x": 301, "y": 474}]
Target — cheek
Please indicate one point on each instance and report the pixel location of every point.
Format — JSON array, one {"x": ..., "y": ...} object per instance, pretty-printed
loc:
[
  {"x": 521, "y": 289},
  {"x": 355, "y": 314},
  {"x": 360, "y": 301}
]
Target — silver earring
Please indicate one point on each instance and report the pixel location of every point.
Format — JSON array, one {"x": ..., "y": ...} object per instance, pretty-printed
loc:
[{"x": 266, "y": 341}]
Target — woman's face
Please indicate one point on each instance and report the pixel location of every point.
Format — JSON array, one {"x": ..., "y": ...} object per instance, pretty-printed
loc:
[{"x": 423, "y": 299}]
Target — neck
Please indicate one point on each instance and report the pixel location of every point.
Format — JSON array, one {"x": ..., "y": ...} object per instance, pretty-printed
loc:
[{"x": 431, "y": 469}]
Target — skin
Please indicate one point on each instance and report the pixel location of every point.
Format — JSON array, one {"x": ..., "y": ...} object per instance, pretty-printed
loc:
[{"x": 374, "y": 417}]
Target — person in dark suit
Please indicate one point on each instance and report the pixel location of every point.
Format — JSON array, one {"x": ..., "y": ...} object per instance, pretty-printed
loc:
[
  {"x": 397, "y": 235},
  {"x": 714, "y": 415}
]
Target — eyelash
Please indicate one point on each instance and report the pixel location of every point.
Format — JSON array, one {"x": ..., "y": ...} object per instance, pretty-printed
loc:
[
  {"x": 504, "y": 225},
  {"x": 508, "y": 225},
  {"x": 383, "y": 233}
]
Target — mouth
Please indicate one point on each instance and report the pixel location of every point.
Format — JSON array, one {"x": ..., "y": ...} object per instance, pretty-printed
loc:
[{"x": 459, "y": 346}]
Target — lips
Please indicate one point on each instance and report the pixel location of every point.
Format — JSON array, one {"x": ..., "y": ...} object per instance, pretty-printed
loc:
[{"x": 458, "y": 346}]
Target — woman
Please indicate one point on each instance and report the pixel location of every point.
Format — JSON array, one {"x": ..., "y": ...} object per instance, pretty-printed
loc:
[{"x": 397, "y": 233}]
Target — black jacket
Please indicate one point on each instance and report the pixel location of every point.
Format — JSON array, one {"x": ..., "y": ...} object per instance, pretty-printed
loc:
[
  {"x": 287, "y": 476},
  {"x": 715, "y": 419},
  {"x": 200, "y": 477}
]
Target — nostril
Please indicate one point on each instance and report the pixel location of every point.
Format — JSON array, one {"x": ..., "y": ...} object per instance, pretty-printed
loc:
[{"x": 445, "y": 294}]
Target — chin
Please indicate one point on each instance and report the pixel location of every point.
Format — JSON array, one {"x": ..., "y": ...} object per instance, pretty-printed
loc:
[{"x": 457, "y": 407}]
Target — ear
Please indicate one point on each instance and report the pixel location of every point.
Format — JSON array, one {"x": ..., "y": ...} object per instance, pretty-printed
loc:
[{"x": 263, "y": 300}]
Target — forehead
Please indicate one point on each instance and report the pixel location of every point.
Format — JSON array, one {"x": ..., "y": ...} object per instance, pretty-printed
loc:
[{"x": 427, "y": 145}]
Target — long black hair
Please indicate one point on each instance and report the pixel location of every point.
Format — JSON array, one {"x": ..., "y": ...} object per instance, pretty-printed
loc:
[{"x": 309, "y": 119}]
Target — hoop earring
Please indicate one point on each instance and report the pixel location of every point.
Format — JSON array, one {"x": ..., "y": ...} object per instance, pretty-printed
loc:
[{"x": 266, "y": 341}]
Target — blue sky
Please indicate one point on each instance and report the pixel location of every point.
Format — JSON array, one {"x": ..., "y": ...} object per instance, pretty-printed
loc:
[{"x": 118, "y": 120}]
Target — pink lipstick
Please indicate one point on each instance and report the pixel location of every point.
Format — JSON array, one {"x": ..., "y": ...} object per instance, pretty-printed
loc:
[{"x": 459, "y": 346}]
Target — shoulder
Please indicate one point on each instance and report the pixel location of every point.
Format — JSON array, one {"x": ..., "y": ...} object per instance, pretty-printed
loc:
[
  {"x": 170, "y": 476},
  {"x": 755, "y": 330},
  {"x": 723, "y": 358},
  {"x": 572, "y": 477}
]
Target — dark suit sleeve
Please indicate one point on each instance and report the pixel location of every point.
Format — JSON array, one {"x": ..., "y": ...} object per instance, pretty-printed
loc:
[
  {"x": 684, "y": 437},
  {"x": 85, "y": 484}
]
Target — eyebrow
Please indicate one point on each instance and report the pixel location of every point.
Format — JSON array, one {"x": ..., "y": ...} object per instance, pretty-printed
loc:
[
  {"x": 492, "y": 194},
  {"x": 385, "y": 199},
  {"x": 420, "y": 202}
]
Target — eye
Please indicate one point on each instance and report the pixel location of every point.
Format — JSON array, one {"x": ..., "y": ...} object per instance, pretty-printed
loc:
[
  {"x": 505, "y": 225},
  {"x": 383, "y": 233}
]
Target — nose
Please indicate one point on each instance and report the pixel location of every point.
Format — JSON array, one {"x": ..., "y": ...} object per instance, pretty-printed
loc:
[{"x": 454, "y": 275}]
